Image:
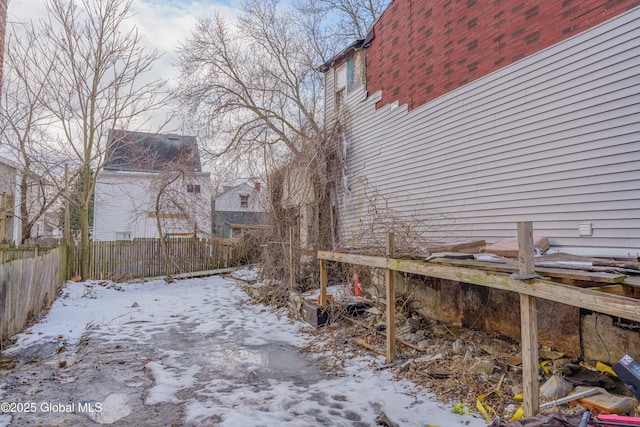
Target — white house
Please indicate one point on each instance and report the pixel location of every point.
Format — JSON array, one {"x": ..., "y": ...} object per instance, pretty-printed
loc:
[
  {"x": 150, "y": 179},
  {"x": 239, "y": 209},
  {"x": 11, "y": 226}
]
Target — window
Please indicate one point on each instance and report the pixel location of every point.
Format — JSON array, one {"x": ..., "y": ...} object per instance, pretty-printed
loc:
[
  {"x": 244, "y": 200},
  {"x": 123, "y": 235},
  {"x": 351, "y": 73},
  {"x": 193, "y": 188},
  {"x": 345, "y": 76}
]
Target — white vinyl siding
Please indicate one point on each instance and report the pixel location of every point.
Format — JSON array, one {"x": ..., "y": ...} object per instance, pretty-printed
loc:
[
  {"x": 329, "y": 101},
  {"x": 553, "y": 139},
  {"x": 231, "y": 200},
  {"x": 124, "y": 206}
]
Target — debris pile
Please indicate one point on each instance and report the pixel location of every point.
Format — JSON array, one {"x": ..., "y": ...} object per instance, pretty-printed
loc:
[{"x": 479, "y": 372}]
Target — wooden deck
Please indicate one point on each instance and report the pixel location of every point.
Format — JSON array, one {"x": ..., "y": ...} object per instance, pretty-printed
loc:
[{"x": 600, "y": 292}]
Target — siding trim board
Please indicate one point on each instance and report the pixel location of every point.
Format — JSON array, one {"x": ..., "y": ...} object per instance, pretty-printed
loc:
[{"x": 553, "y": 138}]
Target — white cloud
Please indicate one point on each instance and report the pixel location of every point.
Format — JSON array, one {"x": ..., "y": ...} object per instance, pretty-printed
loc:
[
  {"x": 165, "y": 24},
  {"x": 162, "y": 25}
]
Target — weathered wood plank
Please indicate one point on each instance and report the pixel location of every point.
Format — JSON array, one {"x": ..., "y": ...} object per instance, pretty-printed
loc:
[
  {"x": 615, "y": 305},
  {"x": 29, "y": 286},
  {"x": 580, "y": 275},
  {"x": 143, "y": 258},
  {"x": 391, "y": 303},
  {"x": 367, "y": 260},
  {"x": 529, "y": 333},
  {"x": 323, "y": 283},
  {"x": 528, "y": 323},
  {"x": 526, "y": 263},
  {"x": 625, "y": 307}
]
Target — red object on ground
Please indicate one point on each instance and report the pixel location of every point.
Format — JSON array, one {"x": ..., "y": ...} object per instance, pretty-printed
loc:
[
  {"x": 357, "y": 287},
  {"x": 619, "y": 420}
]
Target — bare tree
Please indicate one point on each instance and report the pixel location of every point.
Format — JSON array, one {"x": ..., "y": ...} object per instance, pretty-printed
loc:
[
  {"x": 337, "y": 23},
  {"x": 91, "y": 65},
  {"x": 3, "y": 20},
  {"x": 23, "y": 119},
  {"x": 251, "y": 84},
  {"x": 173, "y": 207},
  {"x": 253, "y": 87}
]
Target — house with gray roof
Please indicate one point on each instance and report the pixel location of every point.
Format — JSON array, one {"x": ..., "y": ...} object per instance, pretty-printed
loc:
[
  {"x": 152, "y": 185},
  {"x": 238, "y": 210}
]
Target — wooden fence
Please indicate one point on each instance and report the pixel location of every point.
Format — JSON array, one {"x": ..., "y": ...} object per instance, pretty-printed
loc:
[
  {"x": 124, "y": 259},
  {"x": 28, "y": 287},
  {"x": 11, "y": 253},
  {"x": 31, "y": 277}
]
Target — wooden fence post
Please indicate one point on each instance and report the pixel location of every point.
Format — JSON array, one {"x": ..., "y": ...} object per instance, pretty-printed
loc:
[
  {"x": 292, "y": 264},
  {"x": 323, "y": 282},
  {"x": 528, "y": 323},
  {"x": 391, "y": 302}
]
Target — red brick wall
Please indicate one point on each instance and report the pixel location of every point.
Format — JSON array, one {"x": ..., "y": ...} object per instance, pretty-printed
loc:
[{"x": 424, "y": 48}]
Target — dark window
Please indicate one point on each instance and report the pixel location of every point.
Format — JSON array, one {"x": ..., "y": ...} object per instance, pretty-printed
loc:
[
  {"x": 191, "y": 188},
  {"x": 244, "y": 201},
  {"x": 351, "y": 73}
]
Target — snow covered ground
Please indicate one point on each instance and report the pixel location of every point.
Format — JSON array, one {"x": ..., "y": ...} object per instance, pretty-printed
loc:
[{"x": 195, "y": 352}]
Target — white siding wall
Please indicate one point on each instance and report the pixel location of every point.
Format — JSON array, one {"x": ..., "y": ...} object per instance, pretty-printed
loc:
[
  {"x": 553, "y": 139},
  {"x": 329, "y": 99},
  {"x": 229, "y": 201},
  {"x": 123, "y": 201}
]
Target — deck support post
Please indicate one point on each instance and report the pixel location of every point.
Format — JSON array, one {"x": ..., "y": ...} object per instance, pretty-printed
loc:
[
  {"x": 528, "y": 323},
  {"x": 391, "y": 302},
  {"x": 323, "y": 283}
]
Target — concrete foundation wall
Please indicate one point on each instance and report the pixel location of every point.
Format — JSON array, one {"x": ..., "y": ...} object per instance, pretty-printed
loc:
[
  {"x": 590, "y": 336},
  {"x": 607, "y": 339}
]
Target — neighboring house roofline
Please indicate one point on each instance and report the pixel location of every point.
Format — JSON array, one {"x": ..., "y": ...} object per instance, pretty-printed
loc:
[
  {"x": 111, "y": 172},
  {"x": 228, "y": 190},
  {"x": 340, "y": 57},
  {"x": 348, "y": 51},
  {"x": 10, "y": 163}
]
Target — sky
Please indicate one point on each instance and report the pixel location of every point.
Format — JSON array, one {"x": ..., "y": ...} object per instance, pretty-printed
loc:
[
  {"x": 163, "y": 24},
  {"x": 200, "y": 346}
]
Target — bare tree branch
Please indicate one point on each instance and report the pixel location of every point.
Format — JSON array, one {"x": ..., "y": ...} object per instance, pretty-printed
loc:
[
  {"x": 90, "y": 65},
  {"x": 254, "y": 83}
]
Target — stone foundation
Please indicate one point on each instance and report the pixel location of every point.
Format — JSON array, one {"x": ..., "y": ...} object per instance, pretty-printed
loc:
[{"x": 586, "y": 335}]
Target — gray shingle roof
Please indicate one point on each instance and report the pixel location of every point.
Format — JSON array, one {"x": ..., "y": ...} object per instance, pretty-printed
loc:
[{"x": 149, "y": 152}]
